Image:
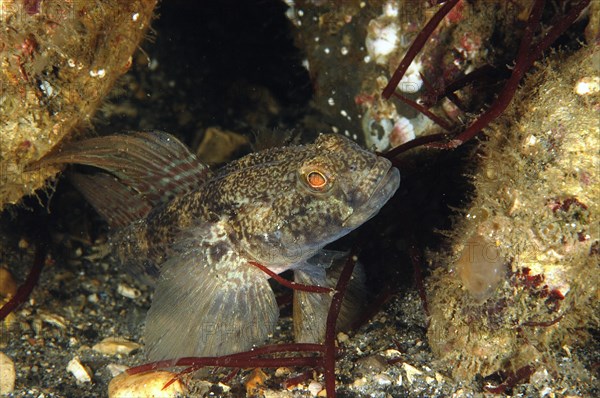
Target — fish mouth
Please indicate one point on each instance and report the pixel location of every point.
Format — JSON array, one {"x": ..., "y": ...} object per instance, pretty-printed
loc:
[
  {"x": 387, "y": 186},
  {"x": 384, "y": 188}
]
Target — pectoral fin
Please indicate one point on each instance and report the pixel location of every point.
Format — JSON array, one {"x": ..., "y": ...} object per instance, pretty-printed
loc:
[
  {"x": 208, "y": 301},
  {"x": 311, "y": 309}
]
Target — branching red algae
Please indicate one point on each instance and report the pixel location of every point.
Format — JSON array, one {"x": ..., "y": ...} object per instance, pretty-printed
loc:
[
  {"x": 534, "y": 41},
  {"x": 527, "y": 54}
]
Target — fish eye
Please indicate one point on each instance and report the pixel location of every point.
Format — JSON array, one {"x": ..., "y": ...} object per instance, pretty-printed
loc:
[
  {"x": 316, "y": 174},
  {"x": 316, "y": 180}
]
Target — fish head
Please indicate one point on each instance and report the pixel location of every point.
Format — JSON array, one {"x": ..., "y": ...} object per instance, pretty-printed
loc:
[{"x": 286, "y": 204}]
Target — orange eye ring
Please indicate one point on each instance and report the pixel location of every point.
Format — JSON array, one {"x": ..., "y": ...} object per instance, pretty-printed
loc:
[{"x": 316, "y": 180}]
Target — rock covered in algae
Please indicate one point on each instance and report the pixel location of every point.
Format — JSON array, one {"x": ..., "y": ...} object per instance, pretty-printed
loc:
[
  {"x": 523, "y": 279},
  {"x": 58, "y": 62}
]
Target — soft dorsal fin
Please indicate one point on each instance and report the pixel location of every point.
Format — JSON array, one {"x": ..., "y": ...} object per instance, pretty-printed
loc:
[
  {"x": 118, "y": 204},
  {"x": 151, "y": 166}
]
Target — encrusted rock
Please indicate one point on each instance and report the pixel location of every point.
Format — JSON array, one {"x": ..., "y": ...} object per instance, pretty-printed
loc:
[{"x": 59, "y": 61}]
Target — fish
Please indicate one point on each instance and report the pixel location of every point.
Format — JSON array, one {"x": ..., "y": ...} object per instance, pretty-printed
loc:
[{"x": 192, "y": 232}]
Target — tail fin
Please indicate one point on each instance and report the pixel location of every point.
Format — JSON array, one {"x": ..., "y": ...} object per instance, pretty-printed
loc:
[{"x": 149, "y": 167}]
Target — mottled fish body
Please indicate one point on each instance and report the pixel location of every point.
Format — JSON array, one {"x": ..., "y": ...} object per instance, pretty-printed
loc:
[{"x": 192, "y": 231}]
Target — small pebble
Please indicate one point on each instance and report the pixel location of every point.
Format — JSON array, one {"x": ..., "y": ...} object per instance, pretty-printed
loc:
[
  {"x": 278, "y": 394},
  {"x": 255, "y": 382},
  {"x": 224, "y": 387},
  {"x": 116, "y": 369},
  {"x": 411, "y": 372},
  {"x": 342, "y": 337},
  {"x": 148, "y": 384},
  {"x": 280, "y": 372},
  {"x": 371, "y": 364},
  {"x": 202, "y": 388},
  {"x": 8, "y": 286},
  {"x": 588, "y": 85},
  {"x": 7, "y": 374},
  {"x": 362, "y": 381},
  {"x": 53, "y": 319},
  {"x": 23, "y": 244},
  {"x": 382, "y": 379},
  {"x": 128, "y": 291},
  {"x": 314, "y": 387},
  {"x": 392, "y": 354},
  {"x": 116, "y": 345},
  {"x": 79, "y": 370},
  {"x": 439, "y": 378}
]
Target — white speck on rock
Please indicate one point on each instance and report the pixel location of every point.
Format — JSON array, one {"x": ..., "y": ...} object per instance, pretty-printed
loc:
[
  {"x": 382, "y": 40},
  {"x": 587, "y": 85},
  {"x": 411, "y": 82}
]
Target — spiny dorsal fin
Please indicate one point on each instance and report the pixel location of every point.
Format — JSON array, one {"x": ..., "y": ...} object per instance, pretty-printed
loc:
[{"x": 154, "y": 165}]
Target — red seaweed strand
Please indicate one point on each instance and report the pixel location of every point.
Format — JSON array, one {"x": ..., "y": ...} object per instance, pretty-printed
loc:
[
  {"x": 559, "y": 28},
  {"x": 415, "y": 105},
  {"x": 332, "y": 315},
  {"x": 511, "y": 379},
  {"x": 485, "y": 71},
  {"x": 435, "y": 93},
  {"x": 291, "y": 284},
  {"x": 230, "y": 376},
  {"x": 419, "y": 141},
  {"x": 543, "y": 323},
  {"x": 294, "y": 381},
  {"x": 522, "y": 64},
  {"x": 415, "y": 259},
  {"x": 416, "y": 47},
  {"x": 27, "y": 287}
]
